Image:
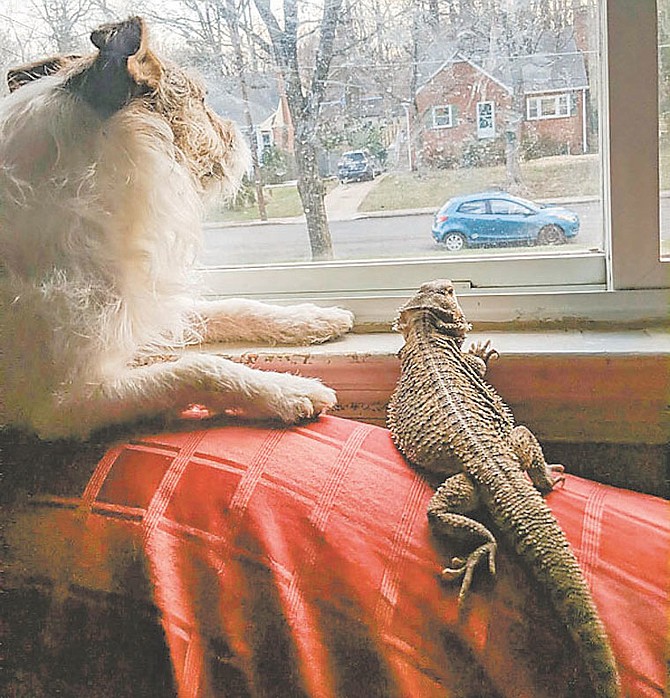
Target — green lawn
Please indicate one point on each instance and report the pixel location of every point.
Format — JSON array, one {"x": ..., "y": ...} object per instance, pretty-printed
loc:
[
  {"x": 549, "y": 178},
  {"x": 555, "y": 177},
  {"x": 280, "y": 202}
]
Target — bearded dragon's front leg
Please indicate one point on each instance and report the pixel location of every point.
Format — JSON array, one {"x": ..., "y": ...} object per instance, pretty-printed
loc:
[
  {"x": 456, "y": 496},
  {"x": 479, "y": 354}
]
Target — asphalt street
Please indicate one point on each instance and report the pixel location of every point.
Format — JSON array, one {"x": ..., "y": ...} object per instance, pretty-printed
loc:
[{"x": 374, "y": 237}]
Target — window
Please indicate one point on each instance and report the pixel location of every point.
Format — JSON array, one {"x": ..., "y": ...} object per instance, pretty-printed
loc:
[
  {"x": 477, "y": 207},
  {"x": 548, "y": 107},
  {"x": 486, "y": 127},
  {"x": 508, "y": 208},
  {"x": 442, "y": 117},
  {"x": 604, "y": 61}
]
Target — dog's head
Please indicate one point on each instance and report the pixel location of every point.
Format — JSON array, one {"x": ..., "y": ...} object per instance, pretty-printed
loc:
[{"x": 125, "y": 74}]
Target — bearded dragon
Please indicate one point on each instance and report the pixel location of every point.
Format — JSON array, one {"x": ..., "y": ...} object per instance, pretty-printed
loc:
[{"x": 443, "y": 416}]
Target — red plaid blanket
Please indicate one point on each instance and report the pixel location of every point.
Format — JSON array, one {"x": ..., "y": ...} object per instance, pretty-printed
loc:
[{"x": 299, "y": 562}]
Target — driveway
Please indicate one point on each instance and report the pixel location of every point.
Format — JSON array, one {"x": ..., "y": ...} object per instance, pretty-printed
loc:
[{"x": 342, "y": 202}]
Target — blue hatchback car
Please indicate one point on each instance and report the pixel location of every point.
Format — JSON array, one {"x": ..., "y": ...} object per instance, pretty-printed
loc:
[{"x": 490, "y": 218}]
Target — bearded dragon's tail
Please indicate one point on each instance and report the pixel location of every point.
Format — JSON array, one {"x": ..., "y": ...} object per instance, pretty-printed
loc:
[{"x": 541, "y": 542}]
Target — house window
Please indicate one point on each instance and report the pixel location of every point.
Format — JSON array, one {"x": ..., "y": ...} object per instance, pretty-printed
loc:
[
  {"x": 442, "y": 116},
  {"x": 378, "y": 253},
  {"x": 486, "y": 127},
  {"x": 548, "y": 107}
]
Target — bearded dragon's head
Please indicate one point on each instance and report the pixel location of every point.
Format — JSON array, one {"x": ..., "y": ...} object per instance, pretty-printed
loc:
[{"x": 435, "y": 300}]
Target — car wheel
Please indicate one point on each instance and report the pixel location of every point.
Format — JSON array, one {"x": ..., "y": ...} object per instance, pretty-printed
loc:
[
  {"x": 551, "y": 235},
  {"x": 453, "y": 241}
]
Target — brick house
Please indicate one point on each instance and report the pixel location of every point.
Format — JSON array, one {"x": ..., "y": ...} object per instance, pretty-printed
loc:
[{"x": 469, "y": 101}]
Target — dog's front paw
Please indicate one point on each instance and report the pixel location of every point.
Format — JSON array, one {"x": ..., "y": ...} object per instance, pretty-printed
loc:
[
  {"x": 293, "y": 398},
  {"x": 302, "y": 398},
  {"x": 311, "y": 324},
  {"x": 331, "y": 323}
]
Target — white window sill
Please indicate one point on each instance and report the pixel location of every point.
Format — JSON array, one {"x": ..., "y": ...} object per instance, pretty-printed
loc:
[{"x": 568, "y": 386}]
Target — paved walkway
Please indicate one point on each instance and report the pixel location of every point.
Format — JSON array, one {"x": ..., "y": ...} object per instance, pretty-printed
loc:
[{"x": 342, "y": 202}]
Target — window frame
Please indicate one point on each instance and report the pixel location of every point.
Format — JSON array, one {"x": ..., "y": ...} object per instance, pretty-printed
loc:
[
  {"x": 627, "y": 282},
  {"x": 538, "y": 99},
  {"x": 490, "y": 132},
  {"x": 445, "y": 107}
]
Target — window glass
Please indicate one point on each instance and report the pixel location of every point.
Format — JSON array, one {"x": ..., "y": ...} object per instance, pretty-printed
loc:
[
  {"x": 486, "y": 126},
  {"x": 442, "y": 116},
  {"x": 374, "y": 78},
  {"x": 472, "y": 207},
  {"x": 553, "y": 106},
  {"x": 509, "y": 208}
]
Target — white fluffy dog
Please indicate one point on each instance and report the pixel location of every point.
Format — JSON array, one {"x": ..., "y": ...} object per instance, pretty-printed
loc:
[{"x": 104, "y": 161}]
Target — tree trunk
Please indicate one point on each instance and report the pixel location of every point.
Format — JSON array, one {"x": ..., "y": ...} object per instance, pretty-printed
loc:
[
  {"x": 255, "y": 164},
  {"x": 512, "y": 158},
  {"x": 311, "y": 190},
  {"x": 304, "y": 97},
  {"x": 513, "y": 134},
  {"x": 234, "y": 29}
]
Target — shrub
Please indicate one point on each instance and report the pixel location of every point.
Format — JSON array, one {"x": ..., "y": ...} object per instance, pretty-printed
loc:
[
  {"x": 276, "y": 166},
  {"x": 535, "y": 146},
  {"x": 483, "y": 153},
  {"x": 245, "y": 196}
]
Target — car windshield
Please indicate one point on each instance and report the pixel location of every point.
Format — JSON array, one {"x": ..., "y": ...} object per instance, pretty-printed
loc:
[
  {"x": 530, "y": 204},
  {"x": 355, "y": 157}
]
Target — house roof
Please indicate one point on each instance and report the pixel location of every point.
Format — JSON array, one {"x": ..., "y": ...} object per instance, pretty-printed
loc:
[
  {"x": 225, "y": 97},
  {"x": 556, "y": 64}
]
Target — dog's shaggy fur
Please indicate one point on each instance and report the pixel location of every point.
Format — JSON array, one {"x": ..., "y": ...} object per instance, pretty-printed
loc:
[{"x": 104, "y": 164}]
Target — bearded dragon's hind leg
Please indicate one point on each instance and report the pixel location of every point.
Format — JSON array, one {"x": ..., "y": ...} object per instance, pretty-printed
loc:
[
  {"x": 531, "y": 459},
  {"x": 446, "y": 510}
]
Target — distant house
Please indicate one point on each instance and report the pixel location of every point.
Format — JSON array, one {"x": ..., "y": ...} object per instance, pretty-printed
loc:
[
  {"x": 464, "y": 99},
  {"x": 267, "y": 108}
]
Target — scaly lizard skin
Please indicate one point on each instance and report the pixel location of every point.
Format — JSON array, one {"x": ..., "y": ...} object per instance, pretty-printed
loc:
[{"x": 445, "y": 417}]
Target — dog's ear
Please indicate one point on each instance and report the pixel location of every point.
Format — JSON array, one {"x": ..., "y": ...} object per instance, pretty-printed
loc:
[
  {"x": 123, "y": 68},
  {"x": 23, "y": 74}
]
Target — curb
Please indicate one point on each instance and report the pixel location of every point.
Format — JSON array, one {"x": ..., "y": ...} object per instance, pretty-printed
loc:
[{"x": 392, "y": 213}]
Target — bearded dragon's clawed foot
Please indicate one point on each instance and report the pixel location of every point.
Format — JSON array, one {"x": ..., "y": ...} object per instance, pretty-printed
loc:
[
  {"x": 478, "y": 356},
  {"x": 466, "y": 568},
  {"x": 484, "y": 351},
  {"x": 556, "y": 473}
]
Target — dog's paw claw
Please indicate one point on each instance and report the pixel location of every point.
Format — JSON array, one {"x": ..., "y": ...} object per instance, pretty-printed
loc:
[
  {"x": 296, "y": 407},
  {"x": 295, "y": 399}
]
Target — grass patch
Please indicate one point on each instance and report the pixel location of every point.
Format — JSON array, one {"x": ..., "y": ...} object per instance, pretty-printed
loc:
[
  {"x": 548, "y": 178},
  {"x": 280, "y": 202}
]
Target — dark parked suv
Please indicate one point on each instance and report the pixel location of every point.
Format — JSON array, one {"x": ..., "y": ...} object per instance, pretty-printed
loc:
[{"x": 357, "y": 166}]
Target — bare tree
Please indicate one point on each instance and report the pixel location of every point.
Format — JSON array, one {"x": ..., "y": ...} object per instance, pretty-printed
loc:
[
  {"x": 69, "y": 22},
  {"x": 11, "y": 54},
  {"x": 514, "y": 31},
  {"x": 305, "y": 87},
  {"x": 233, "y": 21},
  {"x": 520, "y": 27},
  {"x": 214, "y": 28}
]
